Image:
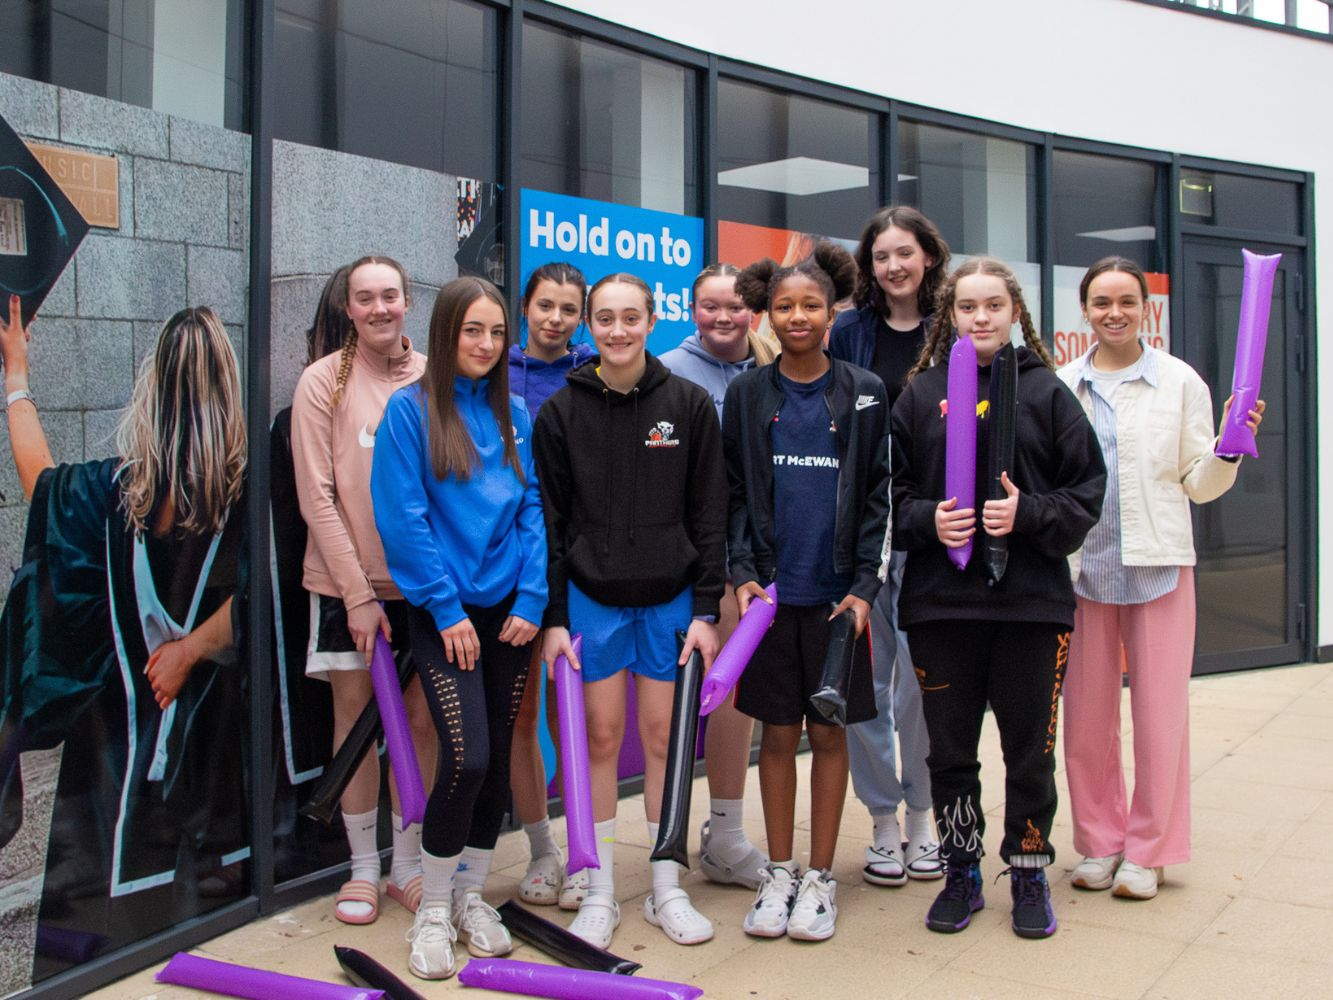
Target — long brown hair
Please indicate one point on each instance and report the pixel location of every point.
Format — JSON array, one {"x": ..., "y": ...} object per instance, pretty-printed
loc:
[
  {"x": 1114, "y": 263},
  {"x": 452, "y": 451},
  {"x": 182, "y": 438},
  {"x": 868, "y": 291},
  {"x": 940, "y": 337}
]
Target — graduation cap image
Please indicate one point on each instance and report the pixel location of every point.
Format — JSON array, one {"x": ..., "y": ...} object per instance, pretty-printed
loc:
[{"x": 40, "y": 229}]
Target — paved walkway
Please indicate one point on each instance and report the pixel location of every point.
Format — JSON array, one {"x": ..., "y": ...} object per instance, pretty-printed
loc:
[{"x": 1251, "y": 915}]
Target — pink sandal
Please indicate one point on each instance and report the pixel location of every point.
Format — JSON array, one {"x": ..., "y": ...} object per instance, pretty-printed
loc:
[
  {"x": 409, "y": 896},
  {"x": 358, "y": 891}
]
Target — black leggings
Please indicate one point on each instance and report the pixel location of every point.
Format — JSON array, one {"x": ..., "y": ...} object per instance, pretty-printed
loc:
[
  {"x": 474, "y": 713},
  {"x": 1017, "y": 667}
]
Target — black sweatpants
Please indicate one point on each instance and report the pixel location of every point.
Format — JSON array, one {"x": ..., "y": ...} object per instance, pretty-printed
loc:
[
  {"x": 474, "y": 713},
  {"x": 1016, "y": 667}
]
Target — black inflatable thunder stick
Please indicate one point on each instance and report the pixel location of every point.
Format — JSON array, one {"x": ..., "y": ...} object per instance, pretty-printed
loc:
[
  {"x": 364, "y": 734},
  {"x": 674, "y": 828},
  {"x": 560, "y": 944},
  {"x": 1003, "y": 421},
  {"x": 830, "y": 700},
  {"x": 363, "y": 970}
]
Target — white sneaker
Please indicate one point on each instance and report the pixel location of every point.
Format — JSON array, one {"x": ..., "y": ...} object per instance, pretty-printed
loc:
[
  {"x": 432, "y": 938},
  {"x": 768, "y": 916},
  {"x": 814, "y": 913},
  {"x": 676, "y": 915},
  {"x": 1095, "y": 873},
  {"x": 543, "y": 880},
  {"x": 598, "y": 918},
  {"x": 745, "y": 872},
  {"x": 921, "y": 851},
  {"x": 481, "y": 927},
  {"x": 574, "y": 890},
  {"x": 1135, "y": 882}
]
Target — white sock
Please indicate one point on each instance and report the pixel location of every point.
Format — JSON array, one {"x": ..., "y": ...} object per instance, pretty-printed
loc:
[
  {"x": 361, "y": 839},
  {"x": 791, "y": 866},
  {"x": 437, "y": 879},
  {"x": 888, "y": 835},
  {"x": 727, "y": 842},
  {"x": 920, "y": 827},
  {"x": 540, "y": 841},
  {"x": 474, "y": 864},
  {"x": 406, "y": 852},
  {"x": 602, "y": 881},
  {"x": 666, "y": 874}
]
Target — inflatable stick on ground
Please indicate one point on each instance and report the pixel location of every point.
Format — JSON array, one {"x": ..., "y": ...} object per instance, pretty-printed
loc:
[
  {"x": 533, "y": 980},
  {"x": 560, "y": 944},
  {"x": 363, "y": 970},
  {"x": 234, "y": 980}
]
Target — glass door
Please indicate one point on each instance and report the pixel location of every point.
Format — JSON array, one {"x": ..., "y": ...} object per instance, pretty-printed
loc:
[{"x": 1251, "y": 546}]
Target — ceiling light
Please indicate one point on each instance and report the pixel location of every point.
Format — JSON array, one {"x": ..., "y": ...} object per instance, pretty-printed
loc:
[
  {"x": 797, "y": 175},
  {"x": 1129, "y": 234}
]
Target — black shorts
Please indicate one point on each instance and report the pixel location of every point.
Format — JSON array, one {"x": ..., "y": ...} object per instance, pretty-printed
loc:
[
  {"x": 787, "y": 668},
  {"x": 331, "y": 646}
]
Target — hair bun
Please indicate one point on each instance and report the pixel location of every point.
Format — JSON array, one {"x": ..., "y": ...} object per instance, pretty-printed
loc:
[
  {"x": 835, "y": 261},
  {"x": 752, "y": 283}
]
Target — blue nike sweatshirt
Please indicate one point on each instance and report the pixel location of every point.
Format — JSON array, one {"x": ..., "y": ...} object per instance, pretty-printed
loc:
[{"x": 452, "y": 542}]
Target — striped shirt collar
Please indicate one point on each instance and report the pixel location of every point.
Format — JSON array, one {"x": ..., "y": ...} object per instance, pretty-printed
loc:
[{"x": 1148, "y": 371}]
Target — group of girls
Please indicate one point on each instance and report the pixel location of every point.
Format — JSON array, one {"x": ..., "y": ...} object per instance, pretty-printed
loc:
[{"x": 602, "y": 498}]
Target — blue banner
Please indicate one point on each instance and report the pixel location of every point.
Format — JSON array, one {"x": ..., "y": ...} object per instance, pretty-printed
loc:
[{"x": 597, "y": 237}]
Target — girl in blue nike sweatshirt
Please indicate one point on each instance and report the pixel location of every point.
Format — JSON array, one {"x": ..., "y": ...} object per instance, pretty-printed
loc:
[{"x": 457, "y": 507}]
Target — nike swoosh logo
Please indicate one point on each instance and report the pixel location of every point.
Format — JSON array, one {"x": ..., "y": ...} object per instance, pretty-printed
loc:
[
  {"x": 865, "y": 402},
  {"x": 365, "y": 438}
]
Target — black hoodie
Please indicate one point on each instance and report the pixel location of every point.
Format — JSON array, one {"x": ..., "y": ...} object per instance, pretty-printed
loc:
[
  {"x": 1058, "y": 469},
  {"x": 634, "y": 491}
]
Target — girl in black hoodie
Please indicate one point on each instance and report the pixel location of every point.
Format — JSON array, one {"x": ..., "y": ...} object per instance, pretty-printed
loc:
[
  {"x": 975, "y": 643},
  {"x": 629, "y": 459}
]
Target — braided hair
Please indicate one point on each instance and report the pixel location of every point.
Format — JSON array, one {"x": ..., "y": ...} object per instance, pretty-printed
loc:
[
  {"x": 940, "y": 336},
  {"x": 349, "y": 344}
]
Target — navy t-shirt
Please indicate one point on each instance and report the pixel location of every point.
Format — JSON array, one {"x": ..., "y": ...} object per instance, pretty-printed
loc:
[{"x": 805, "y": 495}]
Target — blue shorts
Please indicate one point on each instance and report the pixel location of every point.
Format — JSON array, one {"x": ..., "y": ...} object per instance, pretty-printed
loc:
[{"x": 642, "y": 639}]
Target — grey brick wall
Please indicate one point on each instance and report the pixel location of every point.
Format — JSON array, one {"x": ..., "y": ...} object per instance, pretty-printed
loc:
[
  {"x": 330, "y": 208},
  {"x": 183, "y": 240}
]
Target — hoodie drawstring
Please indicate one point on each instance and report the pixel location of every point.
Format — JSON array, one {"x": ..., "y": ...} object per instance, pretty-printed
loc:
[
  {"x": 606, "y": 545},
  {"x": 634, "y": 465}
]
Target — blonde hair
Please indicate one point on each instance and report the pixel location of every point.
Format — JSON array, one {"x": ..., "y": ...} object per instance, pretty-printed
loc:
[
  {"x": 940, "y": 337},
  {"x": 182, "y": 438}
]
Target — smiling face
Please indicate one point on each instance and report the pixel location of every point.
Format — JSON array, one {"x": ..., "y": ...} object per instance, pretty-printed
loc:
[
  {"x": 553, "y": 312},
  {"x": 1114, "y": 309},
  {"x": 376, "y": 304},
  {"x": 620, "y": 320},
  {"x": 722, "y": 318},
  {"x": 899, "y": 265},
  {"x": 984, "y": 311},
  {"x": 799, "y": 312},
  {"x": 481, "y": 340}
]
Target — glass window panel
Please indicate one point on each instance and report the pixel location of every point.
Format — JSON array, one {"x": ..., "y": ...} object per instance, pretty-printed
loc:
[
  {"x": 407, "y": 81},
  {"x": 1107, "y": 205},
  {"x": 795, "y": 163},
  {"x": 183, "y": 57},
  {"x": 603, "y": 123},
  {"x": 1236, "y": 202},
  {"x": 982, "y": 194}
]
